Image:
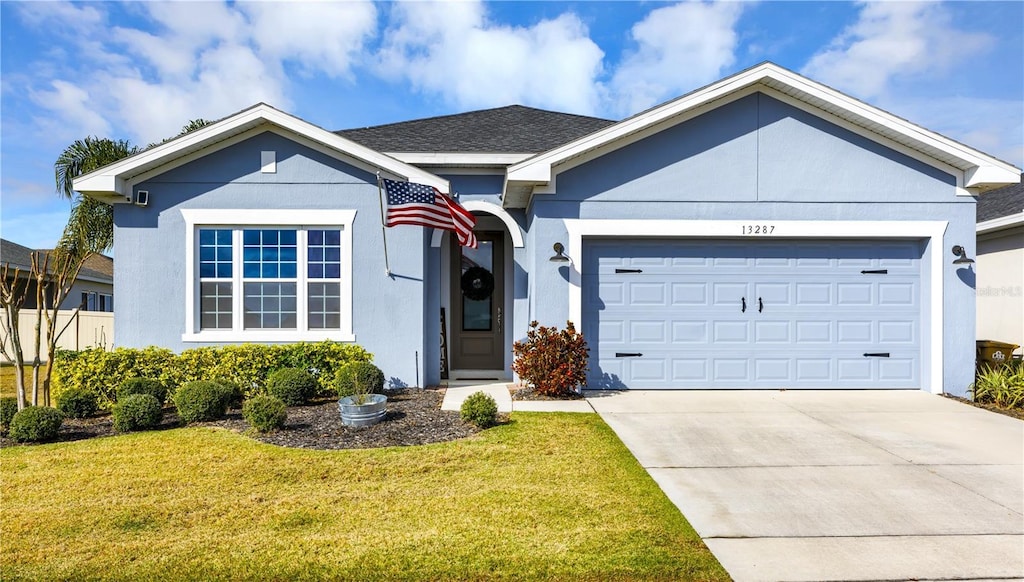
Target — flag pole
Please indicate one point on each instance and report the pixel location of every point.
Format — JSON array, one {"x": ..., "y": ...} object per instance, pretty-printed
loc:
[{"x": 383, "y": 225}]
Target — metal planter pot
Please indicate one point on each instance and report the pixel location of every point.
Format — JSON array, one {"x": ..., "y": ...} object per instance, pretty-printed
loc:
[{"x": 369, "y": 413}]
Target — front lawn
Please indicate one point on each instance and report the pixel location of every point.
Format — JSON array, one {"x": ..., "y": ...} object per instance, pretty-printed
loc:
[{"x": 546, "y": 496}]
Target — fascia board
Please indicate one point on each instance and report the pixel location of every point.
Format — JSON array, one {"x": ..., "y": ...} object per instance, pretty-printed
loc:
[
  {"x": 112, "y": 179},
  {"x": 991, "y": 171},
  {"x": 1001, "y": 223}
]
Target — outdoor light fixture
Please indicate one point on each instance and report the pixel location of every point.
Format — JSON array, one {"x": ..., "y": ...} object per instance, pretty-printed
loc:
[
  {"x": 961, "y": 254},
  {"x": 560, "y": 256}
]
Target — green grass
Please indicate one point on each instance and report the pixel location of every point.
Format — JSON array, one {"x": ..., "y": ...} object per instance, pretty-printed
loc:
[
  {"x": 546, "y": 496},
  {"x": 8, "y": 387}
]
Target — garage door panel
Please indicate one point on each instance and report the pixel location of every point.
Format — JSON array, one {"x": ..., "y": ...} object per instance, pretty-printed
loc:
[{"x": 811, "y": 314}]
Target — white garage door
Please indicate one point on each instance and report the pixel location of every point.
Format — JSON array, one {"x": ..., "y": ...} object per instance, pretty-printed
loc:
[{"x": 753, "y": 314}]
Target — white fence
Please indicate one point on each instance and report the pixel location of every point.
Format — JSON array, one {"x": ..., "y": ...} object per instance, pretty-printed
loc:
[{"x": 86, "y": 329}]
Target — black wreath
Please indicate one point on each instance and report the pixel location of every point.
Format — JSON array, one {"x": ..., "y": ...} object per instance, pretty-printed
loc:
[{"x": 477, "y": 283}]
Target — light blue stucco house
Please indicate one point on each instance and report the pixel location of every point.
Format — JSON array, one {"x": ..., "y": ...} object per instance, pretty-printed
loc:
[{"x": 764, "y": 231}]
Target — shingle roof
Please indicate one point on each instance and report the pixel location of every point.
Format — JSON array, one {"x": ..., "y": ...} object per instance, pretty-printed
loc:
[
  {"x": 511, "y": 129},
  {"x": 1001, "y": 202},
  {"x": 97, "y": 267}
]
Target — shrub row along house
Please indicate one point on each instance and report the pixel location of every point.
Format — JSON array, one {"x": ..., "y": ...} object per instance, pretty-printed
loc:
[{"x": 764, "y": 231}]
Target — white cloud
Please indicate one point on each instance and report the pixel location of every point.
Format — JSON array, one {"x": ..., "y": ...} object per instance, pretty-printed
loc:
[
  {"x": 69, "y": 101},
  {"x": 679, "y": 48},
  {"x": 452, "y": 50},
  {"x": 893, "y": 39}
]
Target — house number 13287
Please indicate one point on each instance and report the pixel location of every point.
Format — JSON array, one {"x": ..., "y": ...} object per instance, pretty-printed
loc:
[{"x": 758, "y": 229}]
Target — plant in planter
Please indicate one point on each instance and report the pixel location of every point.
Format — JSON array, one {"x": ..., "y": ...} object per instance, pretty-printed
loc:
[
  {"x": 359, "y": 405},
  {"x": 552, "y": 361}
]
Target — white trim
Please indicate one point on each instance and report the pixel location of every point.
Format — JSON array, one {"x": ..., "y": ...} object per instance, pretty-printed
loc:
[
  {"x": 933, "y": 231},
  {"x": 489, "y": 208},
  {"x": 978, "y": 170},
  {"x": 1003, "y": 222},
  {"x": 194, "y": 217},
  {"x": 111, "y": 179}
]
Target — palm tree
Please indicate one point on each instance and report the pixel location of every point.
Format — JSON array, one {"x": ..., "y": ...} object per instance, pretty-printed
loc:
[{"x": 90, "y": 228}]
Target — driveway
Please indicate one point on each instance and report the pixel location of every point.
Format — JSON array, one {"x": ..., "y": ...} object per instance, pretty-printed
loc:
[{"x": 835, "y": 485}]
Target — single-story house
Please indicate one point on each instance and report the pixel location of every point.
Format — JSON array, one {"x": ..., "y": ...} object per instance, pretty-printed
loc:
[
  {"x": 1001, "y": 264},
  {"x": 764, "y": 231},
  {"x": 93, "y": 289}
]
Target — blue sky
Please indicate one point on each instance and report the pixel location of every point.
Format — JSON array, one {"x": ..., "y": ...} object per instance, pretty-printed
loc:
[{"x": 140, "y": 71}]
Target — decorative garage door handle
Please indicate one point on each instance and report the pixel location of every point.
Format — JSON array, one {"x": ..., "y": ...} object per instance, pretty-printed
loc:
[
  {"x": 629, "y": 270},
  {"x": 876, "y": 355},
  {"x": 744, "y": 308},
  {"x": 875, "y": 272},
  {"x": 627, "y": 354},
  {"x": 760, "y": 305}
]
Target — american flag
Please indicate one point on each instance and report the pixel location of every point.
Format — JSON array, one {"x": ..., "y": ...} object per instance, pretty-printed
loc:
[{"x": 419, "y": 204}]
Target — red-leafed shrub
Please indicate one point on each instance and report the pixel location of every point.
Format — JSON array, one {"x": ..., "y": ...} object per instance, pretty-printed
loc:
[{"x": 552, "y": 361}]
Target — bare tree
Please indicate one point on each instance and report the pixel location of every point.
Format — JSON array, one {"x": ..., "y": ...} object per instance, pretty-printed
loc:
[{"x": 13, "y": 292}]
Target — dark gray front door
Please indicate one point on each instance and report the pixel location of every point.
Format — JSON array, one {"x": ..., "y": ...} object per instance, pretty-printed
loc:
[{"x": 478, "y": 282}]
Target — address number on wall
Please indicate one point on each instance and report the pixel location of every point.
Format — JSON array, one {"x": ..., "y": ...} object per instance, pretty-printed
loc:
[{"x": 761, "y": 229}]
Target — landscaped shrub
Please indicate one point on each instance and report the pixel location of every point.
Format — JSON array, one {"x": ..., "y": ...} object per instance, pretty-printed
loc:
[
  {"x": 154, "y": 388},
  {"x": 1002, "y": 386},
  {"x": 292, "y": 385},
  {"x": 248, "y": 365},
  {"x": 8, "y": 408},
  {"x": 103, "y": 371},
  {"x": 480, "y": 409},
  {"x": 137, "y": 412},
  {"x": 200, "y": 401},
  {"x": 34, "y": 424},
  {"x": 265, "y": 413},
  {"x": 235, "y": 394},
  {"x": 369, "y": 377},
  {"x": 78, "y": 403},
  {"x": 553, "y": 362}
]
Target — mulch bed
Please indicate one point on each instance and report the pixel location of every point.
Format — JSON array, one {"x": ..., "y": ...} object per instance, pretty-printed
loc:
[
  {"x": 414, "y": 417},
  {"x": 1014, "y": 412}
]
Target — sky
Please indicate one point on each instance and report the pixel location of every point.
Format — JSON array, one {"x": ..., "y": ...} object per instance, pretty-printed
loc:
[{"x": 140, "y": 71}]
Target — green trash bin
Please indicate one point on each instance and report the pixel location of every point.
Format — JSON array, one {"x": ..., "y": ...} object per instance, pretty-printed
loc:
[{"x": 992, "y": 353}]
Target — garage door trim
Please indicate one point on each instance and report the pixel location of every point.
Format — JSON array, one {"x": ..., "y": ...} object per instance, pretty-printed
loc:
[{"x": 932, "y": 231}]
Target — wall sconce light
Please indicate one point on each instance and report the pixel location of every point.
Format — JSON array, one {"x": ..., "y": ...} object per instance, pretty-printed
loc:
[
  {"x": 560, "y": 256},
  {"x": 962, "y": 258}
]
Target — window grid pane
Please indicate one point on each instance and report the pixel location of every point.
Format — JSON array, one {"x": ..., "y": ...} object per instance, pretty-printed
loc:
[
  {"x": 215, "y": 306},
  {"x": 270, "y": 306},
  {"x": 214, "y": 253},
  {"x": 324, "y": 254},
  {"x": 269, "y": 254},
  {"x": 324, "y": 305}
]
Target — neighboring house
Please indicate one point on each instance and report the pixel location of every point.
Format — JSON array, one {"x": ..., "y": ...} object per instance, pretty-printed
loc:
[
  {"x": 764, "y": 231},
  {"x": 1001, "y": 264},
  {"x": 93, "y": 289}
]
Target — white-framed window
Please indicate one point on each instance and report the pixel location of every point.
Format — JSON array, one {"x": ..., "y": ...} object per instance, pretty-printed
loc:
[
  {"x": 95, "y": 301},
  {"x": 268, "y": 275}
]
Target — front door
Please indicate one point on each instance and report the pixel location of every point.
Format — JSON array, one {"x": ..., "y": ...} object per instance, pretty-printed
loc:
[{"x": 478, "y": 284}]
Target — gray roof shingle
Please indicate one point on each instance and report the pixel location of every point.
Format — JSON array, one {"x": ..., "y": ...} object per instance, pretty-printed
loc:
[
  {"x": 511, "y": 129},
  {"x": 1001, "y": 202},
  {"x": 97, "y": 267}
]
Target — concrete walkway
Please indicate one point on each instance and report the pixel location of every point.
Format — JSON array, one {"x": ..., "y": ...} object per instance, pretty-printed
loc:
[
  {"x": 459, "y": 390},
  {"x": 835, "y": 485}
]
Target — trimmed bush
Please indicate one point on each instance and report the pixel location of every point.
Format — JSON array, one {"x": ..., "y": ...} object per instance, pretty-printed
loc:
[
  {"x": 1002, "y": 386},
  {"x": 248, "y": 365},
  {"x": 235, "y": 393},
  {"x": 480, "y": 409},
  {"x": 265, "y": 413},
  {"x": 293, "y": 386},
  {"x": 552, "y": 361},
  {"x": 137, "y": 412},
  {"x": 34, "y": 424},
  {"x": 370, "y": 378},
  {"x": 8, "y": 408},
  {"x": 78, "y": 403},
  {"x": 200, "y": 401},
  {"x": 154, "y": 388}
]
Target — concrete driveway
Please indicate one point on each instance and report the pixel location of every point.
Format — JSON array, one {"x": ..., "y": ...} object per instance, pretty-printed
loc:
[{"x": 835, "y": 485}]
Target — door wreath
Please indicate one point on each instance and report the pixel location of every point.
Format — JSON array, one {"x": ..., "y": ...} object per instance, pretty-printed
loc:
[{"x": 477, "y": 283}]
